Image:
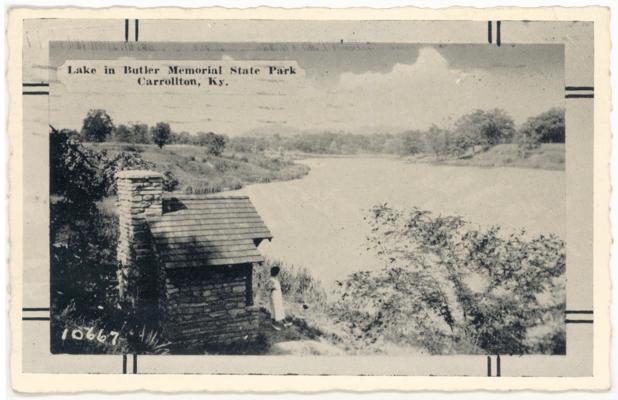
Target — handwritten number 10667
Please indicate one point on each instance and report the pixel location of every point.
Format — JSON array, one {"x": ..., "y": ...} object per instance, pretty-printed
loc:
[{"x": 90, "y": 334}]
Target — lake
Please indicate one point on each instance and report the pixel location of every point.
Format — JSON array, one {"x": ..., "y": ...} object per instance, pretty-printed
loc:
[{"x": 318, "y": 221}]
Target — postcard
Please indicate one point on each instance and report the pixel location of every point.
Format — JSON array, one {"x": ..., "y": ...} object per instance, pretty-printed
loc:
[{"x": 307, "y": 200}]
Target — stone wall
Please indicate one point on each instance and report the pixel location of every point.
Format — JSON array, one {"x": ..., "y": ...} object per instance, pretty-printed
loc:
[
  {"x": 209, "y": 307},
  {"x": 194, "y": 307},
  {"x": 139, "y": 195}
]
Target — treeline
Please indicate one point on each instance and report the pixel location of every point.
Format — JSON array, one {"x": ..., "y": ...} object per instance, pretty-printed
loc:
[
  {"x": 98, "y": 126},
  {"x": 471, "y": 133}
]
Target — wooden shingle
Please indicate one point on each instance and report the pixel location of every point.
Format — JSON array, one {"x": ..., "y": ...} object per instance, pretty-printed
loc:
[{"x": 207, "y": 230}]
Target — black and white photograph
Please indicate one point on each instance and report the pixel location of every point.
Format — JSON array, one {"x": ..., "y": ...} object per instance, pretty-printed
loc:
[
  {"x": 194, "y": 210},
  {"x": 271, "y": 196}
]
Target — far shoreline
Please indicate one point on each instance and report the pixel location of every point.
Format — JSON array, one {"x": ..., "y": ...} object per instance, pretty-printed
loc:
[{"x": 548, "y": 157}]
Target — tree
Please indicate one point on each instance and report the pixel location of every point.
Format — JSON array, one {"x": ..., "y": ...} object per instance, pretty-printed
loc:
[
  {"x": 139, "y": 132},
  {"x": 122, "y": 133},
  {"x": 393, "y": 146},
  {"x": 412, "y": 142},
  {"x": 437, "y": 141},
  {"x": 97, "y": 126},
  {"x": 215, "y": 144},
  {"x": 547, "y": 127},
  {"x": 484, "y": 128},
  {"x": 80, "y": 270},
  {"x": 455, "y": 288},
  {"x": 184, "y": 137},
  {"x": 76, "y": 173},
  {"x": 160, "y": 134}
]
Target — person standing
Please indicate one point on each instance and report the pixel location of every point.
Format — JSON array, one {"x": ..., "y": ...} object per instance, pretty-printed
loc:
[{"x": 277, "y": 311}]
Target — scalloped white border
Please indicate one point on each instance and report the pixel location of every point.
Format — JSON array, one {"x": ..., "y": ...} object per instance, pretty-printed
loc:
[{"x": 250, "y": 383}]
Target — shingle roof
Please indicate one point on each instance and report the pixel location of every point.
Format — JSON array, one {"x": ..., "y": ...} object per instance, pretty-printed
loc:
[{"x": 204, "y": 230}]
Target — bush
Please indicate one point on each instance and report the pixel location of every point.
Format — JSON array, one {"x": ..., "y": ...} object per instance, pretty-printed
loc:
[
  {"x": 133, "y": 161},
  {"x": 451, "y": 287},
  {"x": 547, "y": 127},
  {"x": 83, "y": 261},
  {"x": 297, "y": 284},
  {"x": 68, "y": 319},
  {"x": 97, "y": 338},
  {"x": 170, "y": 183}
]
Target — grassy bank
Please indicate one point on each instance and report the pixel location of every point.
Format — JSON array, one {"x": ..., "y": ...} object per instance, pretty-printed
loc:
[
  {"x": 547, "y": 156},
  {"x": 199, "y": 172},
  {"x": 446, "y": 287}
]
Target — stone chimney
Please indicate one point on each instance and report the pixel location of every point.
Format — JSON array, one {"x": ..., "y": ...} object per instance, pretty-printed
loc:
[{"x": 139, "y": 195}]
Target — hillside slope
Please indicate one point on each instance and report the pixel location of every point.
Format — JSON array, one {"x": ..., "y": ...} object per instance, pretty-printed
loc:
[{"x": 199, "y": 172}]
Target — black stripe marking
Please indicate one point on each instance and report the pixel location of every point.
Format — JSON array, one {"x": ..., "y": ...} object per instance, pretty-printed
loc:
[
  {"x": 124, "y": 363},
  {"x": 136, "y": 29},
  {"x": 35, "y": 84},
  {"x": 579, "y": 96},
  {"x": 35, "y": 318},
  {"x": 35, "y": 309},
  {"x": 135, "y": 363},
  {"x": 578, "y": 312},
  {"x": 489, "y": 28},
  {"x": 29, "y": 93},
  {"x": 126, "y": 30},
  {"x": 488, "y": 366},
  {"x": 579, "y": 88},
  {"x": 498, "y": 23},
  {"x": 578, "y": 321}
]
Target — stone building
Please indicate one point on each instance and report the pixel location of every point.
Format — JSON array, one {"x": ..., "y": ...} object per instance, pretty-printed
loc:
[{"x": 186, "y": 261}]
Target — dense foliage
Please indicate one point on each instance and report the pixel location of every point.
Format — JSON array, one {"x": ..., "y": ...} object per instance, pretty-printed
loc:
[
  {"x": 215, "y": 144},
  {"x": 77, "y": 175},
  {"x": 472, "y": 132},
  {"x": 160, "y": 134},
  {"x": 98, "y": 126},
  {"x": 298, "y": 285},
  {"x": 83, "y": 248},
  {"x": 450, "y": 287},
  {"x": 547, "y": 127}
]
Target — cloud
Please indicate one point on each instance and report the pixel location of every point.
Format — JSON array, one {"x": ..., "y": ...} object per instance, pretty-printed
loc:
[
  {"x": 431, "y": 91},
  {"x": 430, "y": 66},
  {"x": 413, "y": 93}
]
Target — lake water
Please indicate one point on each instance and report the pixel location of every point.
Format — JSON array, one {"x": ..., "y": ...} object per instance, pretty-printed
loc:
[{"x": 317, "y": 221}]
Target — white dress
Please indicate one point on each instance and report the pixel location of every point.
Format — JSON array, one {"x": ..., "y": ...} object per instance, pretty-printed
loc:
[{"x": 276, "y": 300}]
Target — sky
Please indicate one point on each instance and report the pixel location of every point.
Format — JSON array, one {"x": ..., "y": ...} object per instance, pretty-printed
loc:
[{"x": 358, "y": 88}]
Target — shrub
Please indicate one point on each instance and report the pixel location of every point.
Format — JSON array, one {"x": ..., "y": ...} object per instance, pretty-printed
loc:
[
  {"x": 547, "y": 127},
  {"x": 214, "y": 143},
  {"x": 131, "y": 337},
  {"x": 64, "y": 321},
  {"x": 147, "y": 342},
  {"x": 97, "y": 126},
  {"x": 160, "y": 134},
  {"x": 451, "y": 287},
  {"x": 170, "y": 182},
  {"x": 297, "y": 284}
]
